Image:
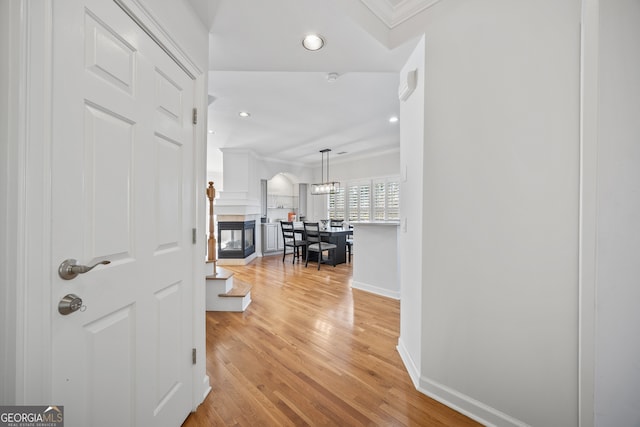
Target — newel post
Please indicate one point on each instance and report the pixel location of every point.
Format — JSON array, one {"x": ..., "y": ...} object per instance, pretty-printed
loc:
[{"x": 211, "y": 248}]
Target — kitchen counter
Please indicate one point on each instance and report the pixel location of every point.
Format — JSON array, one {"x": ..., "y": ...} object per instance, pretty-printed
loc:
[{"x": 375, "y": 223}]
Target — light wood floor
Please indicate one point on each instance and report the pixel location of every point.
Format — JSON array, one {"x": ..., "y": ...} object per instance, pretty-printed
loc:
[{"x": 310, "y": 350}]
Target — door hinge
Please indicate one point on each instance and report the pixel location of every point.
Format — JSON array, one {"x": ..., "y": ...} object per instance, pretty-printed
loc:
[
  {"x": 195, "y": 116},
  {"x": 193, "y": 235},
  {"x": 193, "y": 356}
]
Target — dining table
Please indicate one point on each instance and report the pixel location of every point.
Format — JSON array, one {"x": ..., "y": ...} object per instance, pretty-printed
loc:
[{"x": 335, "y": 235}]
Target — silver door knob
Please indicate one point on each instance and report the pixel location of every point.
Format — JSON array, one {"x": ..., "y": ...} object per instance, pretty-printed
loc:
[{"x": 69, "y": 270}]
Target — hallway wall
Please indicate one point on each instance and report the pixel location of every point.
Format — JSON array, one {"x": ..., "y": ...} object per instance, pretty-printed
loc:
[{"x": 500, "y": 197}]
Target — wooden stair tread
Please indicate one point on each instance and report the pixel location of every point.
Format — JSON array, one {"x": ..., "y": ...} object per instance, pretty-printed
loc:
[
  {"x": 240, "y": 289},
  {"x": 223, "y": 274}
]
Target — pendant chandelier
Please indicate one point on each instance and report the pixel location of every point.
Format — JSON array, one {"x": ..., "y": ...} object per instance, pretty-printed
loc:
[{"x": 325, "y": 187}]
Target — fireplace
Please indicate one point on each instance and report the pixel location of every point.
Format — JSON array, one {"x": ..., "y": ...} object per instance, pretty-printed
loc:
[{"x": 236, "y": 239}]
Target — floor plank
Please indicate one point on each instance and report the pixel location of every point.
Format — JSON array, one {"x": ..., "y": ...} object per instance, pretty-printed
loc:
[{"x": 310, "y": 350}]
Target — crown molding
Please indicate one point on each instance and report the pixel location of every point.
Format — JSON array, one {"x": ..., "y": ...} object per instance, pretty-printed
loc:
[{"x": 392, "y": 14}]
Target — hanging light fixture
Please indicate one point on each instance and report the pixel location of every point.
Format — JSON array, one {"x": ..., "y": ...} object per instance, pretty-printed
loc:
[{"x": 325, "y": 187}]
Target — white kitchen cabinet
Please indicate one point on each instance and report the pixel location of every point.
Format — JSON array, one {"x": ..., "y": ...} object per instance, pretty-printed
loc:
[
  {"x": 280, "y": 238},
  {"x": 272, "y": 238}
]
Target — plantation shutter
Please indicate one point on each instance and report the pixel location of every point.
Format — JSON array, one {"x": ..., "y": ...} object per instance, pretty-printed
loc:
[{"x": 336, "y": 204}]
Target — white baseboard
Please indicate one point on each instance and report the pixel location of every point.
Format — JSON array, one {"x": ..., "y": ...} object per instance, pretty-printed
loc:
[
  {"x": 205, "y": 389},
  {"x": 410, "y": 366},
  {"x": 466, "y": 405},
  {"x": 455, "y": 400},
  {"x": 206, "y": 384},
  {"x": 237, "y": 261},
  {"x": 376, "y": 290}
]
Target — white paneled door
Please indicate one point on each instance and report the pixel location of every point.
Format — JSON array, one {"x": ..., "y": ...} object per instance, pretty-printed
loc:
[{"x": 123, "y": 192}]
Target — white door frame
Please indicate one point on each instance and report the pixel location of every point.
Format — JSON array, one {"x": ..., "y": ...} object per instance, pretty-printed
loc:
[
  {"x": 29, "y": 267},
  {"x": 589, "y": 51}
]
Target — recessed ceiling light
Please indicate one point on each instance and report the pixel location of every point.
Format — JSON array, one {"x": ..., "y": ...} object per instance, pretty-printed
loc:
[
  {"x": 313, "y": 42},
  {"x": 332, "y": 77},
  {"x": 393, "y": 119},
  {"x": 244, "y": 114},
  {"x": 210, "y": 131}
]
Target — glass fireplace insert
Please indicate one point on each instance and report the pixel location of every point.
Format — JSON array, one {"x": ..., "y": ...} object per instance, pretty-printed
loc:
[{"x": 236, "y": 239}]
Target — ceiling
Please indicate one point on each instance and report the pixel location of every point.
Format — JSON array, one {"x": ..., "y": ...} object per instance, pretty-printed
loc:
[{"x": 258, "y": 65}]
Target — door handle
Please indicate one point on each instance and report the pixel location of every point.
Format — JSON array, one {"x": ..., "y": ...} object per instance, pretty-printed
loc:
[{"x": 69, "y": 269}]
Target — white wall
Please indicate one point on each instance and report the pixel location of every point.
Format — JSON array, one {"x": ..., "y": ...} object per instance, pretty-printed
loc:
[
  {"x": 214, "y": 167},
  {"x": 242, "y": 172},
  {"x": 298, "y": 173},
  {"x": 379, "y": 165},
  {"x": 280, "y": 190},
  {"x": 410, "y": 235},
  {"x": 617, "y": 370},
  {"x": 500, "y": 209},
  {"x": 280, "y": 185},
  {"x": 180, "y": 20}
]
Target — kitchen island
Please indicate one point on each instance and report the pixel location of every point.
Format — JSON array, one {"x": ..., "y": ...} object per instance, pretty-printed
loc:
[{"x": 375, "y": 264}]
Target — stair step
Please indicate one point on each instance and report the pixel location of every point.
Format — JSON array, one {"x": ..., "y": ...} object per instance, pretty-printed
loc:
[
  {"x": 209, "y": 267},
  {"x": 240, "y": 289},
  {"x": 222, "y": 274}
]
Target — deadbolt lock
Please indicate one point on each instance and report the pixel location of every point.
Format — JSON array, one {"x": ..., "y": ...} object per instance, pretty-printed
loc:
[{"x": 70, "y": 303}]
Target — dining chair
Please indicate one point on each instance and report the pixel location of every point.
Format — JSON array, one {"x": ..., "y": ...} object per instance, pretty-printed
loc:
[
  {"x": 290, "y": 240},
  {"x": 336, "y": 222},
  {"x": 315, "y": 243},
  {"x": 350, "y": 242}
]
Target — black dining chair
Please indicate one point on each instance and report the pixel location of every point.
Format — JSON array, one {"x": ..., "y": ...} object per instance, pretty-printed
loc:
[
  {"x": 291, "y": 240},
  {"x": 315, "y": 243},
  {"x": 350, "y": 242},
  {"x": 336, "y": 222}
]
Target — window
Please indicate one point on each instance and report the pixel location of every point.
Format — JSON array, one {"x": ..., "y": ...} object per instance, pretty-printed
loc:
[
  {"x": 359, "y": 201},
  {"x": 386, "y": 200},
  {"x": 336, "y": 205},
  {"x": 393, "y": 201},
  {"x": 377, "y": 199}
]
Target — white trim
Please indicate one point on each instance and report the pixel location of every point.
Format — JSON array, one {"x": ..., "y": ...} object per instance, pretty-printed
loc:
[
  {"x": 409, "y": 364},
  {"x": 238, "y": 261},
  {"x": 392, "y": 16},
  {"x": 587, "y": 281},
  {"x": 142, "y": 16},
  {"x": 33, "y": 201},
  {"x": 201, "y": 382},
  {"x": 9, "y": 43},
  {"x": 464, "y": 404},
  {"x": 206, "y": 387},
  {"x": 376, "y": 290}
]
